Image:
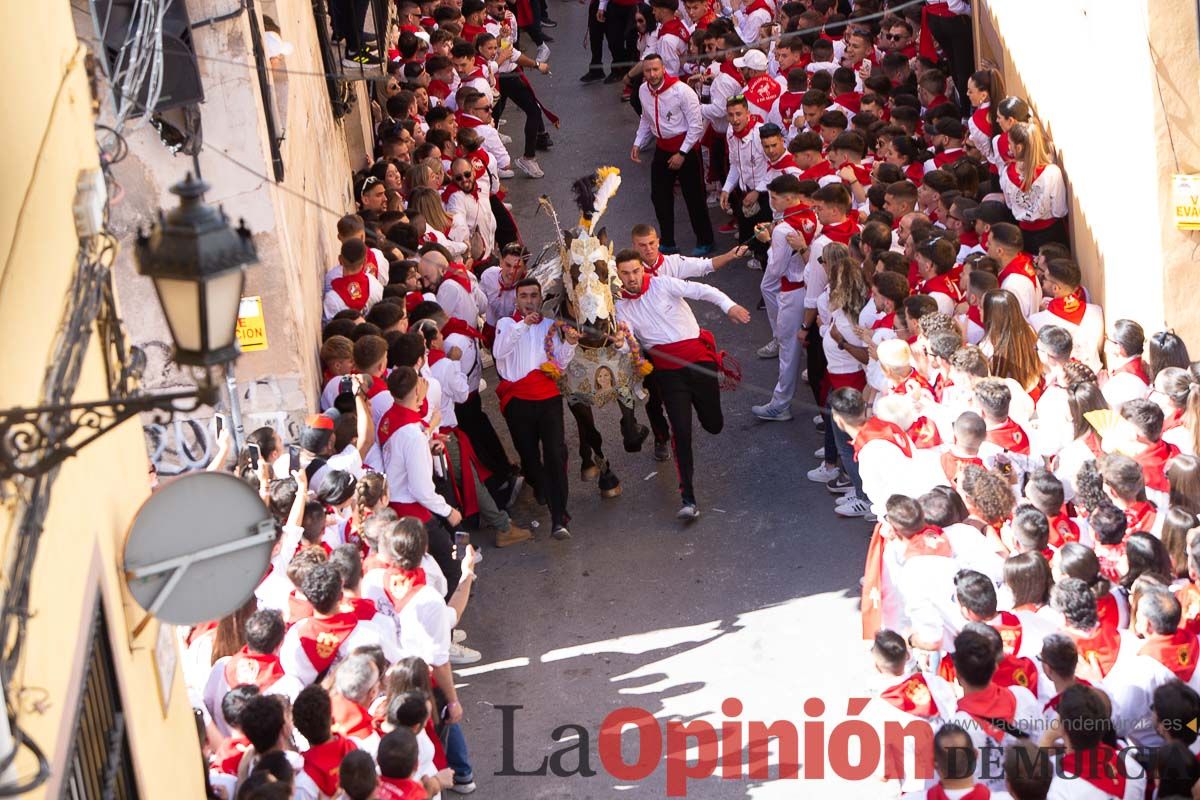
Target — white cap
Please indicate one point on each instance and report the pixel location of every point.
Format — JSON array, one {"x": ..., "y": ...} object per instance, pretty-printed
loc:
[
  {"x": 894, "y": 353},
  {"x": 754, "y": 59}
]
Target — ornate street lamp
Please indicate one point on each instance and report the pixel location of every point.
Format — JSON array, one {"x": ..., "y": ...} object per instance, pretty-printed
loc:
[{"x": 196, "y": 262}]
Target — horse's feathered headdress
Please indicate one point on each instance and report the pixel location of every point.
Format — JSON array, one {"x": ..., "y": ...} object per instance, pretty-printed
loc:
[{"x": 592, "y": 193}]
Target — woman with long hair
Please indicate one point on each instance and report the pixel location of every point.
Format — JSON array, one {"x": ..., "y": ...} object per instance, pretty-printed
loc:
[
  {"x": 1176, "y": 525},
  {"x": 983, "y": 89},
  {"x": 1034, "y": 189},
  {"x": 1083, "y": 396},
  {"x": 1009, "y": 112},
  {"x": 428, "y": 203},
  {"x": 230, "y": 635},
  {"x": 1144, "y": 554},
  {"x": 1165, "y": 349},
  {"x": 906, "y": 152},
  {"x": 1008, "y": 341},
  {"x": 1183, "y": 475}
]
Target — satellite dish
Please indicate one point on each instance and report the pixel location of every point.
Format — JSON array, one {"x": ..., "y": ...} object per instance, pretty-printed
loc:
[{"x": 198, "y": 548}]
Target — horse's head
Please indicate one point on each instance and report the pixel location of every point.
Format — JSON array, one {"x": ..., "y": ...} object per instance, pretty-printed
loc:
[{"x": 588, "y": 285}]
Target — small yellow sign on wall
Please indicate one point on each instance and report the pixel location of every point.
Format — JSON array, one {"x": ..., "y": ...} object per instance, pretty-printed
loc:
[
  {"x": 252, "y": 328},
  {"x": 1185, "y": 198}
]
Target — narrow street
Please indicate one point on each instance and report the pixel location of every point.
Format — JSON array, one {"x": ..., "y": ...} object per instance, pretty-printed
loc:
[{"x": 757, "y": 600}]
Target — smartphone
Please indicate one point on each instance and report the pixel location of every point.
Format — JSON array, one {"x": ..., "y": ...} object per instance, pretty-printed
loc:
[
  {"x": 220, "y": 421},
  {"x": 462, "y": 540},
  {"x": 255, "y": 455},
  {"x": 346, "y": 385}
]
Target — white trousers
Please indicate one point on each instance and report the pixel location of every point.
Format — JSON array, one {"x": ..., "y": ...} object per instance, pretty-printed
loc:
[{"x": 789, "y": 320}]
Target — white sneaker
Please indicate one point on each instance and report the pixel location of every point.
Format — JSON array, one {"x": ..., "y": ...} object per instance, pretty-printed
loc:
[
  {"x": 505, "y": 138},
  {"x": 543, "y": 52},
  {"x": 823, "y": 473},
  {"x": 505, "y": 173},
  {"x": 854, "y": 507},
  {"x": 530, "y": 167},
  {"x": 819, "y": 452},
  {"x": 769, "y": 350},
  {"x": 771, "y": 412},
  {"x": 818, "y": 420},
  {"x": 459, "y": 636},
  {"x": 804, "y": 375},
  {"x": 460, "y": 655},
  {"x": 688, "y": 512},
  {"x": 754, "y": 263},
  {"x": 714, "y": 199}
]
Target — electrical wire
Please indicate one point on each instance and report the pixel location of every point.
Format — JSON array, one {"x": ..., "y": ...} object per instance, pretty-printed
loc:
[{"x": 282, "y": 187}]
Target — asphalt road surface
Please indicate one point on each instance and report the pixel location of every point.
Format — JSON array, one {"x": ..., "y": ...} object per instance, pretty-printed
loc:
[{"x": 757, "y": 600}]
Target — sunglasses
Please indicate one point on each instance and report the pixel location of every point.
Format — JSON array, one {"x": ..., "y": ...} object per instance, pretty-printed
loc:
[
  {"x": 480, "y": 109},
  {"x": 893, "y": 36},
  {"x": 462, "y": 176},
  {"x": 369, "y": 182}
]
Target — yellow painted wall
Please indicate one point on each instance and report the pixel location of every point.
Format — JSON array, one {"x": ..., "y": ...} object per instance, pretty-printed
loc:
[
  {"x": 97, "y": 492},
  {"x": 1109, "y": 80}
]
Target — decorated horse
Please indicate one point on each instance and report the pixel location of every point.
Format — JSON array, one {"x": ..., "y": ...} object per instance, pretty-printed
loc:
[{"x": 578, "y": 278}]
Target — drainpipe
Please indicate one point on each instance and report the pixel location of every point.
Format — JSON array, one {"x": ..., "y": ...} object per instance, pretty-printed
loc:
[{"x": 264, "y": 87}]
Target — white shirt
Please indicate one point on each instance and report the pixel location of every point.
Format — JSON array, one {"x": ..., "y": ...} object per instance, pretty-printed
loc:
[
  {"x": 681, "y": 266},
  {"x": 1027, "y": 717},
  {"x": 672, "y": 112},
  {"x": 217, "y": 687},
  {"x": 519, "y": 348},
  {"x": 470, "y": 363},
  {"x": 661, "y": 315},
  {"x": 381, "y": 264},
  {"x": 472, "y": 215},
  {"x": 1087, "y": 336},
  {"x": 1046, "y": 198},
  {"x": 295, "y": 661},
  {"x": 408, "y": 464},
  {"x": 670, "y": 48},
  {"x": 334, "y": 303},
  {"x": 424, "y": 624},
  {"x": 885, "y": 470},
  {"x": 457, "y": 302},
  {"x": 1122, "y": 387},
  {"x": 723, "y": 87},
  {"x": 1028, "y": 293},
  {"x": 500, "y": 302},
  {"x": 747, "y": 162},
  {"x": 454, "y": 388},
  {"x": 1075, "y": 788}
]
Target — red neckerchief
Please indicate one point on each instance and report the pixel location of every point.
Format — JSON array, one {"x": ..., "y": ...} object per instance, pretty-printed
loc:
[
  {"x": 456, "y": 325},
  {"x": 1178, "y": 652},
  {"x": 975, "y": 314},
  {"x": 1153, "y": 461},
  {"x": 861, "y": 171},
  {"x": 929, "y": 541},
  {"x": 969, "y": 238},
  {"x": 1136, "y": 368},
  {"x": 198, "y": 631},
  {"x": 322, "y": 762},
  {"x": 1070, "y": 307},
  {"x": 1141, "y": 516},
  {"x": 1014, "y": 671},
  {"x": 947, "y": 157},
  {"x": 508, "y": 287},
  {"x": 942, "y": 284},
  {"x": 754, "y": 121},
  {"x": 378, "y": 386},
  {"x": 1015, "y": 176},
  {"x": 1063, "y": 529},
  {"x": 991, "y": 703},
  {"x": 439, "y": 89},
  {"x": 434, "y": 356},
  {"x": 851, "y": 101},
  {"x": 396, "y": 418},
  {"x": 886, "y": 322},
  {"x": 363, "y": 608},
  {"x": 349, "y": 718},
  {"x": 674, "y": 27},
  {"x": 817, "y": 171},
  {"x": 729, "y": 69},
  {"x": 950, "y": 462},
  {"x": 399, "y": 789},
  {"x": 229, "y": 754},
  {"x": 980, "y": 118},
  {"x": 372, "y": 263},
  {"x": 876, "y": 428},
  {"x": 1009, "y": 436},
  {"x": 635, "y": 295},
  {"x": 320, "y": 638},
  {"x": 760, "y": 5},
  {"x": 709, "y": 18},
  {"x": 1107, "y": 610},
  {"x": 939, "y": 100},
  {"x": 1173, "y": 420},
  {"x": 1102, "y": 647},
  {"x": 298, "y": 607},
  {"x": 453, "y": 187},
  {"x": 924, "y": 434},
  {"x": 354, "y": 289},
  {"x": 912, "y": 696},
  {"x": 1098, "y": 767},
  {"x": 396, "y": 579},
  {"x": 667, "y": 82},
  {"x": 652, "y": 269},
  {"x": 840, "y": 232},
  {"x": 1020, "y": 265},
  {"x": 915, "y": 382},
  {"x": 784, "y": 163},
  {"x": 763, "y": 91},
  {"x": 802, "y": 220},
  {"x": 260, "y": 669},
  {"x": 1052, "y": 705},
  {"x": 978, "y": 792},
  {"x": 1008, "y": 625},
  {"x": 469, "y": 32}
]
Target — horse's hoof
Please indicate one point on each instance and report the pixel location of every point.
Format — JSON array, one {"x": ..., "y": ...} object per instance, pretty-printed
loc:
[
  {"x": 635, "y": 445},
  {"x": 589, "y": 473},
  {"x": 608, "y": 494}
]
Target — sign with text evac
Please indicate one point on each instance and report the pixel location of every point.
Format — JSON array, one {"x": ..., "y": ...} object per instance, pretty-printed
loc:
[
  {"x": 1185, "y": 199},
  {"x": 251, "y": 327}
]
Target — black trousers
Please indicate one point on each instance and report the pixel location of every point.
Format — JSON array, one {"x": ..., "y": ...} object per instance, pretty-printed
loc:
[
  {"x": 513, "y": 88},
  {"x": 622, "y": 37},
  {"x": 475, "y": 422},
  {"x": 347, "y": 18},
  {"x": 816, "y": 363},
  {"x": 746, "y": 224},
  {"x": 693, "y": 387},
  {"x": 654, "y": 412},
  {"x": 506, "y": 226},
  {"x": 1055, "y": 233},
  {"x": 441, "y": 549},
  {"x": 953, "y": 35},
  {"x": 690, "y": 177},
  {"x": 538, "y": 433}
]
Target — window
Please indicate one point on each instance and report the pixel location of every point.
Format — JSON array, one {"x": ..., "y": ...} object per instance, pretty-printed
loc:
[{"x": 100, "y": 764}]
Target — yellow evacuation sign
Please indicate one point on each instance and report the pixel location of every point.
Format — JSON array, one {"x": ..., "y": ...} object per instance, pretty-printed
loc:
[
  {"x": 1185, "y": 198},
  {"x": 252, "y": 328}
]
